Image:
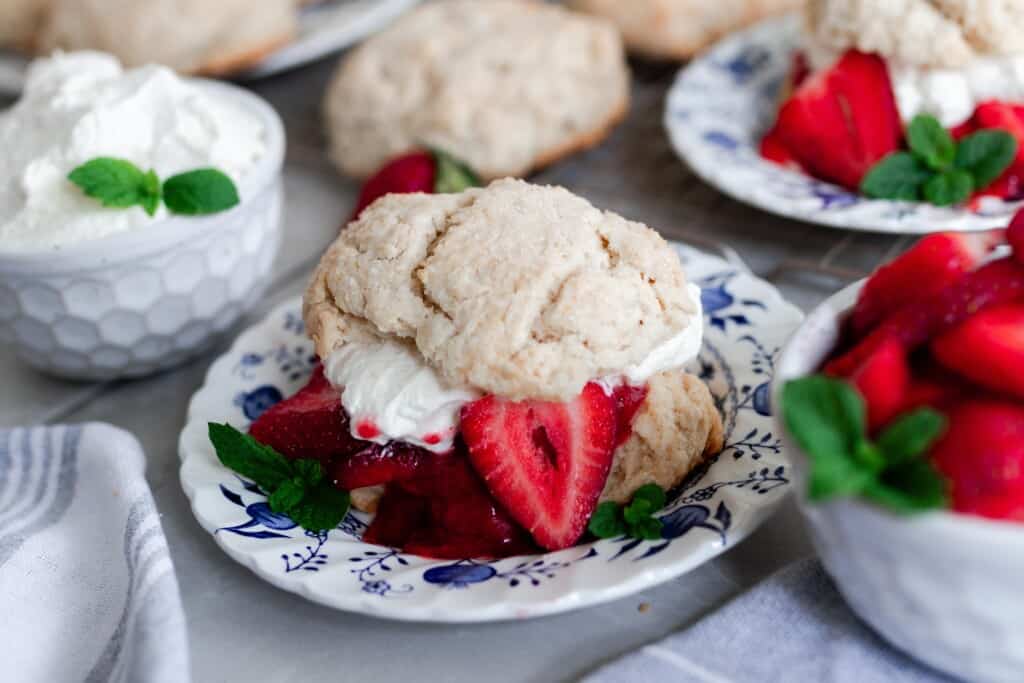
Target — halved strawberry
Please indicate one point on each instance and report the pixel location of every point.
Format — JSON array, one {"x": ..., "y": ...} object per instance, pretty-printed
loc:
[
  {"x": 1015, "y": 235},
  {"x": 773, "y": 149},
  {"x": 994, "y": 284},
  {"x": 840, "y": 122},
  {"x": 987, "y": 348},
  {"x": 628, "y": 402},
  {"x": 311, "y": 424},
  {"x": 883, "y": 380},
  {"x": 930, "y": 266},
  {"x": 982, "y": 455},
  {"x": 546, "y": 463}
]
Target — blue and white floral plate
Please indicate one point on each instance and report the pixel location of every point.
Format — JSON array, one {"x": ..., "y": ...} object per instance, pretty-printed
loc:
[
  {"x": 747, "y": 323},
  {"x": 722, "y": 104}
]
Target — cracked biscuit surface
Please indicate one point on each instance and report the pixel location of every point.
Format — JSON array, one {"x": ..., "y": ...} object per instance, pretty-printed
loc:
[
  {"x": 518, "y": 290},
  {"x": 923, "y": 33},
  {"x": 505, "y": 85}
]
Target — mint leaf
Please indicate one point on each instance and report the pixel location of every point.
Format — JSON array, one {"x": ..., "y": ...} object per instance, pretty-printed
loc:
[
  {"x": 606, "y": 522},
  {"x": 930, "y": 142},
  {"x": 914, "y": 486},
  {"x": 648, "y": 529},
  {"x": 116, "y": 183},
  {"x": 949, "y": 188},
  {"x": 247, "y": 456},
  {"x": 200, "y": 192},
  {"x": 452, "y": 175},
  {"x": 287, "y": 495},
  {"x": 322, "y": 507},
  {"x": 824, "y": 415},
  {"x": 637, "y": 511},
  {"x": 899, "y": 176},
  {"x": 153, "y": 194},
  {"x": 911, "y": 435},
  {"x": 985, "y": 155},
  {"x": 652, "y": 494},
  {"x": 311, "y": 472}
]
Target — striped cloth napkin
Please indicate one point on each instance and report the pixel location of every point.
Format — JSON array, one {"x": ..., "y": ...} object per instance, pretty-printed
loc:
[
  {"x": 792, "y": 628},
  {"x": 87, "y": 589}
]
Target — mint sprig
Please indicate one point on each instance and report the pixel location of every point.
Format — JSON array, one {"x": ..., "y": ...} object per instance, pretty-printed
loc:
[
  {"x": 827, "y": 418},
  {"x": 937, "y": 169},
  {"x": 637, "y": 520},
  {"x": 295, "y": 488},
  {"x": 117, "y": 183},
  {"x": 451, "y": 174}
]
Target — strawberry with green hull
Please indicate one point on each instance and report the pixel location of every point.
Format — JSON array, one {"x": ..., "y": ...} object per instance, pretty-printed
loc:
[{"x": 432, "y": 172}]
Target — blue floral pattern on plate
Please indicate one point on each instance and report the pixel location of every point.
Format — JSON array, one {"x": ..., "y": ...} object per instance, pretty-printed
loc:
[
  {"x": 723, "y": 102},
  {"x": 718, "y": 504}
]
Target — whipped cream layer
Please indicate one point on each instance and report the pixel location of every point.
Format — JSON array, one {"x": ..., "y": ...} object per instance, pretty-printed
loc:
[
  {"x": 391, "y": 394},
  {"x": 951, "y": 95},
  {"x": 82, "y": 105}
]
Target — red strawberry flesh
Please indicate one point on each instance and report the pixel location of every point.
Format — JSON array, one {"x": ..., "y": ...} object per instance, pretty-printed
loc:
[
  {"x": 414, "y": 172},
  {"x": 982, "y": 456},
  {"x": 546, "y": 463},
  {"x": 987, "y": 348},
  {"x": 929, "y": 267},
  {"x": 884, "y": 381},
  {"x": 628, "y": 402},
  {"x": 311, "y": 424},
  {"x": 995, "y": 283}
]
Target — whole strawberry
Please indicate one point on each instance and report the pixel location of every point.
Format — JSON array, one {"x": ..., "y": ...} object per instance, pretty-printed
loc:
[{"x": 431, "y": 171}]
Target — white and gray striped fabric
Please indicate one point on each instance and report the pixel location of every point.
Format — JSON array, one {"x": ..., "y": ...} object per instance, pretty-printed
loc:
[
  {"x": 87, "y": 589},
  {"x": 792, "y": 628}
]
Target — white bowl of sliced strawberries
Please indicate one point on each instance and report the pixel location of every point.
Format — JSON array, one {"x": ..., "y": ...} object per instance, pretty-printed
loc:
[{"x": 904, "y": 394}]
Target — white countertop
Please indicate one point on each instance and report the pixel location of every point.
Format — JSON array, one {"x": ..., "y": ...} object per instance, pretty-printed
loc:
[{"x": 242, "y": 629}]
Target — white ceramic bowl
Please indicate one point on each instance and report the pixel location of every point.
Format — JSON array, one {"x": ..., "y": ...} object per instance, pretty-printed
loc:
[
  {"x": 944, "y": 587},
  {"x": 133, "y": 303}
]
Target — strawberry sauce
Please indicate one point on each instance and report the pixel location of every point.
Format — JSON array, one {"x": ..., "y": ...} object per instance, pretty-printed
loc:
[{"x": 628, "y": 401}]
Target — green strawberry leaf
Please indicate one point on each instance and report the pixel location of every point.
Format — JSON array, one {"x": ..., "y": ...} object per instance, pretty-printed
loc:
[
  {"x": 322, "y": 508},
  {"x": 911, "y": 435},
  {"x": 949, "y": 188},
  {"x": 200, "y": 192},
  {"x": 931, "y": 143},
  {"x": 247, "y": 456},
  {"x": 899, "y": 176},
  {"x": 287, "y": 495},
  {"x": 606, "y": 522},
  {"x": 116, "y": 183},
  {"x": 452, "y": 175},
  {"x": 985, "y": 155}
]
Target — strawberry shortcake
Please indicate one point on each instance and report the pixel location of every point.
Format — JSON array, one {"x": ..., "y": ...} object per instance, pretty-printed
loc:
[
  {"x": 875, "y": 78},
  {"x": 494, "y": 364}
]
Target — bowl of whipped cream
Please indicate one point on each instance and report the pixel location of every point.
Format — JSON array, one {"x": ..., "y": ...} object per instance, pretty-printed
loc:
[{"x": 99, "y": 290}]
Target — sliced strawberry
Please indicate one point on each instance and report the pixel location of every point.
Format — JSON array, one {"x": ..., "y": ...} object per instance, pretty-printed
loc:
[
  {"x": 773, "y": 149},
  {"x": 311, "y": 424},
  {"x": 933, "y": 386},
  {"x": 840, "y": 122},
  {"x": 995, "y": 283},
  {"x": 375, "y": 465},
  {"x": 628, "y": 402},
  {"x": 1015, "y": 235},
  {"x": 883, "y": 380},
  {"x": 1008, "y": 187},
  {"x": 801, "y": 69},
  {"x": 546, "y": 463},
  {"x": 995, "y": 114},
  {"x": 409, "y": 173},
  {"x": 987, "y": 348},
  {"x": 929, "y": 267},
  {"x": 964, "y": 129},
  {"x": 446, "y": 512},
  {"x": 982, "y": 455}
]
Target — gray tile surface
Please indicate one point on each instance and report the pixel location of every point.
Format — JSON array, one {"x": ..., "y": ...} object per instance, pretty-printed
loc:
[{"x": 242, "y": 629}]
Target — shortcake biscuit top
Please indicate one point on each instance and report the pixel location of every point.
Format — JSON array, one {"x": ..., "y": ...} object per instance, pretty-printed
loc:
[
  {"x": 505, "y": 85},
  {"x": 923, "y": 33},
  {"x": 517, "y": 290}
]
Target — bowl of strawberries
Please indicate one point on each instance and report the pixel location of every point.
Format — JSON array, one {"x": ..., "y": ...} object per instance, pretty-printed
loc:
[{"x": 902, "y": 398}]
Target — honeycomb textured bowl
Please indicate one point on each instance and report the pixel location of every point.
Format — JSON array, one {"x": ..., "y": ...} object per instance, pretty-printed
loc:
[
  {"x": 941, "y": 586},
  {"x": 134, "y": 303}
]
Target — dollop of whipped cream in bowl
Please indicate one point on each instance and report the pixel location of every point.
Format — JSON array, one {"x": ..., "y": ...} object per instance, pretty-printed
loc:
[
  {"x": 390, "y": 393},
  {"x": 82, "y": 105}
]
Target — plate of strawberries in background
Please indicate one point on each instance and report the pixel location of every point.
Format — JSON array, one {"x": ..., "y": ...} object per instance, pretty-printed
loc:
[
  {"x": 845, "y": 142},
  {"x": 271, "y": 383}
]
